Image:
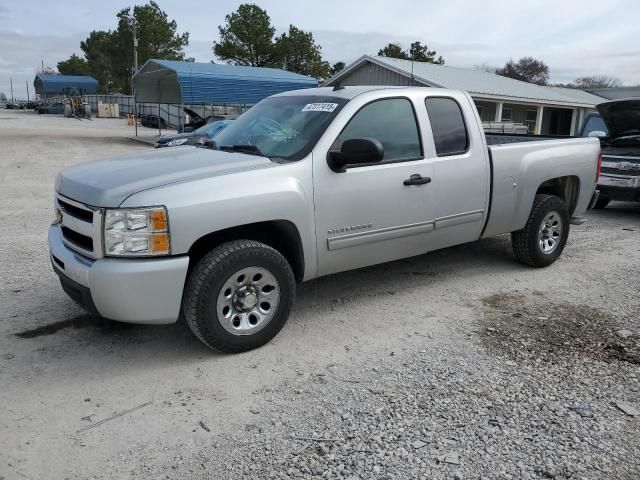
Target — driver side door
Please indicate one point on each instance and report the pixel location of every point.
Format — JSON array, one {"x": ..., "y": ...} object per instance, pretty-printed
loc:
[{"x": 371, "y": 213}]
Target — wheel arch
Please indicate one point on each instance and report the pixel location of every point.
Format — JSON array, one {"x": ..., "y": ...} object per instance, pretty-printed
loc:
[
  {"x": 282, "y": 235},
  {"x": 567, "y": 188}
]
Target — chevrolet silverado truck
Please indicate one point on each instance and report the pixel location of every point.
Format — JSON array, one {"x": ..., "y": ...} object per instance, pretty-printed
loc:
[
  {"x": 305, "y": 184},
  {"x": 620, "y": 175}
]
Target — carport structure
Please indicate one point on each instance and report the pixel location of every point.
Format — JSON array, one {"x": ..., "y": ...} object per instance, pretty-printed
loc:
[
  {"x": 191, "y": 83},
  {"x": 56, "y": 85}
]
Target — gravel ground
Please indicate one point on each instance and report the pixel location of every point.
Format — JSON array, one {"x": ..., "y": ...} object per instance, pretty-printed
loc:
[{"x": 456, "y": 364}]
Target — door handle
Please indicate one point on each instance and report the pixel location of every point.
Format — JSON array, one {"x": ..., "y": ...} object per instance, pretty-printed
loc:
[{"x": 417, "y": 179}]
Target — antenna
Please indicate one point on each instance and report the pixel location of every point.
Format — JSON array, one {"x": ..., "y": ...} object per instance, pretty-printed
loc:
[{"x": 337, "y": 87}]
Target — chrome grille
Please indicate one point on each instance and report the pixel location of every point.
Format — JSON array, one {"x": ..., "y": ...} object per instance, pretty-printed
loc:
[
  {"x": 80, "y": 226},
  {"x": 618, "y": 171},
  {"x": 621, "y": 165}
]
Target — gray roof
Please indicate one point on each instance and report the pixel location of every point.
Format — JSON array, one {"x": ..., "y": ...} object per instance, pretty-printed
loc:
[
  {"x": 478, "y": 83},
  {"x": 617, "y": 92}
]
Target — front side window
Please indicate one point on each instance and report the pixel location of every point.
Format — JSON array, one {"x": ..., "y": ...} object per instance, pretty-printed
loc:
[
  {"x": 392, "y": 121},
  {"x": 286, "y": 127},
  {"x": 447, "y": 124}
]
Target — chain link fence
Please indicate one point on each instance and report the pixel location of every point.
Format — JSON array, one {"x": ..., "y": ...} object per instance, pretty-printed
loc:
[{"x": 173, "y": 114}]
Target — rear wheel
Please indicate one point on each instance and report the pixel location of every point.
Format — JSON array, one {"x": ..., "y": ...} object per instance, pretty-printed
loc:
[
  {"x": 239, "y": 296},
  {"x": 543, "y": 238}
]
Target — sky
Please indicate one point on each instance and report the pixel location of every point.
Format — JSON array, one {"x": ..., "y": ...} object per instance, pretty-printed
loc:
[{"x": 574, "y": 37}]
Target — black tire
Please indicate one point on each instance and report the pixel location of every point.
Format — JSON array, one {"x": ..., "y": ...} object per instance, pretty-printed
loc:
[
  {"x": 205, "y": 284},
  {"x": 602, "y": 202},
  {"x": 526, "y": 242}
]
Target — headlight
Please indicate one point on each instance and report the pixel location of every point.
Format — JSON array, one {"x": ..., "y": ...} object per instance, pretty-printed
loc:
[
  {"x": 177, "y": 141},
  {"x": 136, "y": 232}
]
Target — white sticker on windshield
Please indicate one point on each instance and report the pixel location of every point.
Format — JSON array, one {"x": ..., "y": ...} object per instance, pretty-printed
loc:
[{"x": 319, "y": 107}]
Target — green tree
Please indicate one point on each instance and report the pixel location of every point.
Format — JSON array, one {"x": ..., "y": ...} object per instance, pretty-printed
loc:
[
  {"x": 74, "y": 65},
  {"x": 109, "y": 54},
  {"x": 337, "y": 67},
  {"x": 100, "y": 54},
  {"x": 246, "y": 38},
  {"x": 526, "y": 69},
  {"x": 157, "y": 38},
  {"x": 417, "y": 52},
  {"x": 298, "y": 52},
  {"x": 393, "y": 50},
  {"x": 421, "y": 53}
]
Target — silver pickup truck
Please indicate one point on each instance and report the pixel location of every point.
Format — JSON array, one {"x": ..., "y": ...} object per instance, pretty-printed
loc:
[{"x": 305, "y": 184}]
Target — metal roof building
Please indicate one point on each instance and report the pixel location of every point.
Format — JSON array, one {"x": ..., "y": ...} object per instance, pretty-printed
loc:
[
  {"x": 616, "y": 93},
  {"x": 54, "y": 85},
  {"x": 190, "y": 83},
  {"x": 550, "y": 110}
]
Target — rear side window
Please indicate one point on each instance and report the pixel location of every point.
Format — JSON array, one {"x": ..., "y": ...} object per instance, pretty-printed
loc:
[
  {"x": 393, "y": 122},
  {"x": 449, "y": 131}
]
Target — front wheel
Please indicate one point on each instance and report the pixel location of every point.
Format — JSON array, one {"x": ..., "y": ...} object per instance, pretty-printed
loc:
[
  {"x": 239, "y": 296},
  {"x": 543, "y": 238}
]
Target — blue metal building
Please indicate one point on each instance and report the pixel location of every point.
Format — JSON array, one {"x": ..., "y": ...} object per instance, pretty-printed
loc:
[
  {"x": 55, "y": 85},
  {"x": 190, "y": 83}
]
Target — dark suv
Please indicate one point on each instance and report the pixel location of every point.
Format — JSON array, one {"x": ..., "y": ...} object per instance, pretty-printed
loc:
[{"x": 620, "y": 175}]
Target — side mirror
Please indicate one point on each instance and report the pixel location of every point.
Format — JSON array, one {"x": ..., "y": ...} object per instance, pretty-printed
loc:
[
  {"x": 356, "y": 151},
  {"x": 597, "y": 134}
]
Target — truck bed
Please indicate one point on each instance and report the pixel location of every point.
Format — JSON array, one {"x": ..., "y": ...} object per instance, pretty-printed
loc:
[
  {"x": 521, "y": 163},
  {"x": 504, "y": 138}
]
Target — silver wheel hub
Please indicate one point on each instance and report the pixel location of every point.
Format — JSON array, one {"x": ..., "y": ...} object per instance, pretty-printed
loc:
[
  {"x": 550, "y": 233},
  {"x": 248, "y": 301},
  {"x": 245, "y": 298}
]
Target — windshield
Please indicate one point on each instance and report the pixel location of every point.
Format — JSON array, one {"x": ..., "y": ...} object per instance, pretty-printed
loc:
[
  {"x": 286, "y": 127},
  {"x": 594, "y": 123}
]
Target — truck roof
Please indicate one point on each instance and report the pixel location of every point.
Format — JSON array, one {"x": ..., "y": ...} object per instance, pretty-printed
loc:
[{"x": 350, "y": 92}]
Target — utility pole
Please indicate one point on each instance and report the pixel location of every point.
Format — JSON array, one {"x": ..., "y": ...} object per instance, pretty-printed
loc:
[
  {"x": 135, "y": 48},
  {"x": 135, "y": 69},
  {"x": 27, "y": 84},
  {"x": 11, "y": 81}
]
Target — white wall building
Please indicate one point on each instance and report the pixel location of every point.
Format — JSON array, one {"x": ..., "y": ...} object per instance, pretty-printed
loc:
[{"x": 544, "y": 110}]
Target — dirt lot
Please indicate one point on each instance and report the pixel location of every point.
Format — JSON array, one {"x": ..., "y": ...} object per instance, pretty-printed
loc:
[{"x": 456, "y": 364}]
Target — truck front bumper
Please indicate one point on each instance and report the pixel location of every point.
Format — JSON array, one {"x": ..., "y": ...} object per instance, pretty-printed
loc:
[
  {"x": 620, "y": 187},
  {"x": 618, "y": 181},
  {"x": 127, "y": 290}
]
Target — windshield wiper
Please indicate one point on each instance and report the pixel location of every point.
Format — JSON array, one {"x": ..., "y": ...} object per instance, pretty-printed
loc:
[{"x": 250, "y": 149}]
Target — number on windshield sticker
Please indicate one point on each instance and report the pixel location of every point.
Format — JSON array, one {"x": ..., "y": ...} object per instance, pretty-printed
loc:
[{"x": 319, "y": 107}]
